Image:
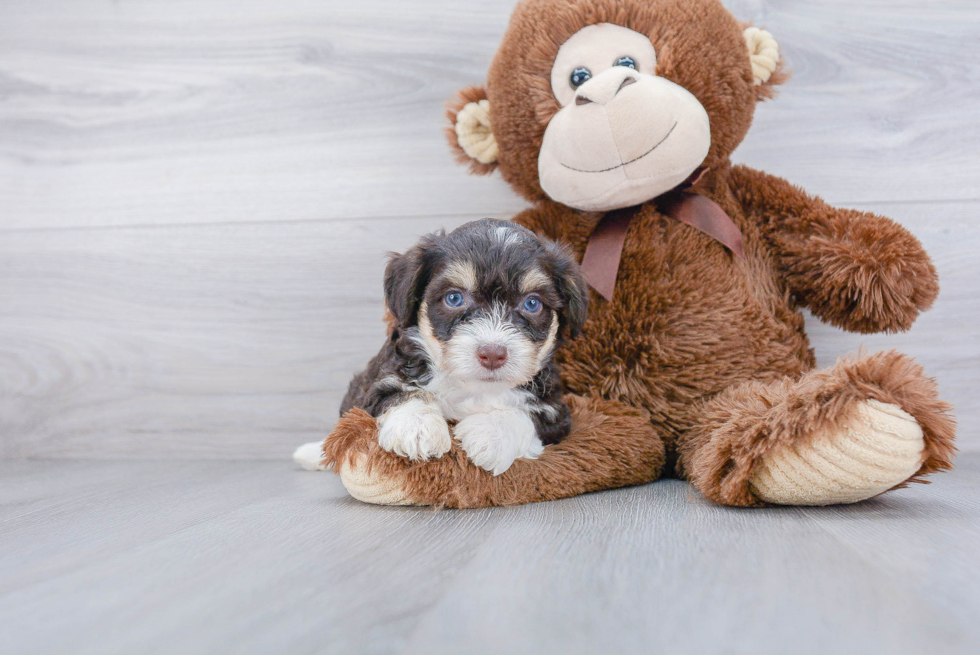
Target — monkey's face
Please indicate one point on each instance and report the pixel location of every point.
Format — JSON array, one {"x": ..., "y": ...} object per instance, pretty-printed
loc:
[
  {"x": 623, "y": 134},
  {"x": 602, "y": 104}
]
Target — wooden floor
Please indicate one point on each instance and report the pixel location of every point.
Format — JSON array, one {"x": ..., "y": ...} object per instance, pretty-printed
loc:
[
  {"x": 256, "y": 557},
  {"x": 196, "y": 198}
]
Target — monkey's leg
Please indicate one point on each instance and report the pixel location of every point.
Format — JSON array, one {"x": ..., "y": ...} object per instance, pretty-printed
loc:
[
  {"x": 839, "y": 435},
  {"x": 611, "y": 445}
]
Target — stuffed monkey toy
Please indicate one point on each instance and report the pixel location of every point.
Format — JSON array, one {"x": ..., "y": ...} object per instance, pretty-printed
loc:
[{"x": 616, "y": 119}]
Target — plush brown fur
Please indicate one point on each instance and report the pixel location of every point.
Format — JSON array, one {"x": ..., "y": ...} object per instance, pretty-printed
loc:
[
  {"x": 711, "y": 62},
  {"x": 709, "y": 347},
  {"x": 610, "y": 445}
]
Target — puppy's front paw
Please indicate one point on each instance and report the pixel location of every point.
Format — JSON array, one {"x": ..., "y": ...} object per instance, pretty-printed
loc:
[
  {"x": 493, "y": 440},
  {"x": 415, "y": 429}
]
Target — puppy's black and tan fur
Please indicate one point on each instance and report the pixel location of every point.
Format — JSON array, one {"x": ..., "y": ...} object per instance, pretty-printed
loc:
[{"x": 478, "y": 315}]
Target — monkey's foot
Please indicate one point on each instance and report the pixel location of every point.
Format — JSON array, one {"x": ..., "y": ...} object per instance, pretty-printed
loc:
[
  {"x": 370, "y": 486},
  {"x": 880, "y": 447}
]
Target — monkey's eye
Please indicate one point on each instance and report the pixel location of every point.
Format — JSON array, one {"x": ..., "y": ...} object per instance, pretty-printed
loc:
[
  {"x": 532, "y": 304},
  {"x": 454, "y": 299},
  {"x": 580, "y": 76},
  {"x": 626, "y": 61}
]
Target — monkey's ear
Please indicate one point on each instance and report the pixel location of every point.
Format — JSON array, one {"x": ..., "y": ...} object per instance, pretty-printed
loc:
[
  {"x": 471, "y": 136},
  {"x": 767, "y": 66}
]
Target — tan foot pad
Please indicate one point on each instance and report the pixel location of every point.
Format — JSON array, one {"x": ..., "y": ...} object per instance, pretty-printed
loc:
[
  {"x": 371, "y": 487},
  {"x": 880, "y": 448}
]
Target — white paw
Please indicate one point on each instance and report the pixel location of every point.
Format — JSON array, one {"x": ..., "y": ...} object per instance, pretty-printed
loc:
[
  {"x": 493, "y": 440},
  {"x": 415, "y": 429},
  {"x": 882, "y": 446},
  {"x": 309, "y": 455}
]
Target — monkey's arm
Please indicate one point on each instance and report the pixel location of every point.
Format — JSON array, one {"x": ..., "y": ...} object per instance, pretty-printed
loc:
[
  {"x": 856, "y": 270},
  {"x": 611, "y": 445}
]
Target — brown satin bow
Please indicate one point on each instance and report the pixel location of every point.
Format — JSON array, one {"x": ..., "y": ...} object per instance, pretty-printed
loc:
[{"x": 605, "y": 248}]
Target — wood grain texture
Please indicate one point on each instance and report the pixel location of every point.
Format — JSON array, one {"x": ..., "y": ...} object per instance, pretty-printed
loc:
[
  {"x": 253, "y": 557},
  {"x": 139, "y": 113}
]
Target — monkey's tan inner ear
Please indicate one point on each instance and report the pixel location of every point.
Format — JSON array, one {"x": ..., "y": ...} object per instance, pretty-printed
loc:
[
  {"x": 763, "y": 52},
  {"x": 474, "y": 133}
]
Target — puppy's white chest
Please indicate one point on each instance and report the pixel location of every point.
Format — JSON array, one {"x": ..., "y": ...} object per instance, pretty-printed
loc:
[
  {"x": 494, "y": 425},
  {"x": 458, "y": 401}
]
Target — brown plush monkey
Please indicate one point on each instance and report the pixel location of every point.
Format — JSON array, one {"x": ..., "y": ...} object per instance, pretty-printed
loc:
[{"x": 694, "y": 361}]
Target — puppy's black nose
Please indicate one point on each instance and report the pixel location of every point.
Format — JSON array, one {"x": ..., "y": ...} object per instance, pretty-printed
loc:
[{"x": 492, "y": 357}]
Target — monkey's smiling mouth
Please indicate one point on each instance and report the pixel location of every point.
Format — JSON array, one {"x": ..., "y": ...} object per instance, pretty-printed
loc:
[{"x": 625, "y": 163}]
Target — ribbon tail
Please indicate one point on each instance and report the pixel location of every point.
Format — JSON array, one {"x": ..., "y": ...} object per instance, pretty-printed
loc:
[
  {"x": 707, "y": 216},
  {"x": 600, "y": 263}
]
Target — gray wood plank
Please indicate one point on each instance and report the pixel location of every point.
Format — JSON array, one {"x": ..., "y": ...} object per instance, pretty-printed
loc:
[
  {"x": 880, "y": 94},
  {"x": 254, "y": 557},
  {"x": 676, "y": 574},
  {"x": 291, "y": 557},
  {"x": 239, "y": 340},
  {"x": 232, "y": 110}
]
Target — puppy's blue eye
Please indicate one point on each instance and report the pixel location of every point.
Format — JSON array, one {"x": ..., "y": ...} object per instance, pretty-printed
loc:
[
  {"x": 532, "y": 305},
  {"x": 454, "y": 299},
  {"x": 580, "y": 76},
  {"x": 626, "y": 61}
]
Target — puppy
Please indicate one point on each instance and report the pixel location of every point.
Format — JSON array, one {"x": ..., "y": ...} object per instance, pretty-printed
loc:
[{"x": 477, "y": 316}]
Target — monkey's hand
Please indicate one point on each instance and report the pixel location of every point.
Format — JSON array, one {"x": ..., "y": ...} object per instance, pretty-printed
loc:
[
  {"x": 611, "y": 445},
  {"x": 856, "y": 270}
]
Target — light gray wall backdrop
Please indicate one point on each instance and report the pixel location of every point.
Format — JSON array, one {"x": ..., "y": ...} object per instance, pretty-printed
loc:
[{"x": 196, "y": 197}]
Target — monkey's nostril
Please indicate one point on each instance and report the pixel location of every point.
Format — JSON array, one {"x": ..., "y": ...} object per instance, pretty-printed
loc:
[
  {"x": 492, "y": 357},
  {"x": 582, "y": 100},
  {"x": 626, "y": 82}
]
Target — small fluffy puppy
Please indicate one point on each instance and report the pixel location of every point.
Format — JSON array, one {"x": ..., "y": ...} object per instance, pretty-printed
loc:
[{"x": 477, "y": 314}]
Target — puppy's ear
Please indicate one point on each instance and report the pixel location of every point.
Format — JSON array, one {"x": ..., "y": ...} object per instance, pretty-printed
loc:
[
  {"x": 471, "y": 136},
  {"x": 405, "y": 281},
  {"x": 571, "y": 287}
]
